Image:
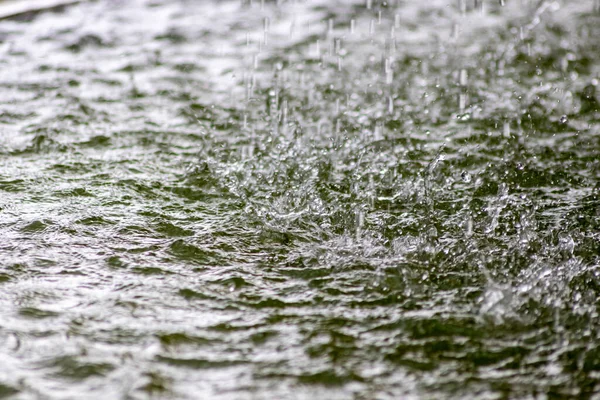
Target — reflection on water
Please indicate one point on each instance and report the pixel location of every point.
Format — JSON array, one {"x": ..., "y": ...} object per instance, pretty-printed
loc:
[{"x": 300, "y": 199}]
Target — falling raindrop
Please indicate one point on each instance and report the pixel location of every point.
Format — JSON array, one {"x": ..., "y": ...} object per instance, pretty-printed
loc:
[{"x": 469, "y": 226}]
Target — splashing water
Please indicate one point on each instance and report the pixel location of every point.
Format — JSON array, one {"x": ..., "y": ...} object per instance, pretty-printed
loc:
[{"x": 301, "y": 199}]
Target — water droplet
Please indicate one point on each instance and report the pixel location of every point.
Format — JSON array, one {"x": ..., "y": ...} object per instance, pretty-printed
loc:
[
  {"x": 563, "y": 119},
  {"x": 566, "y": 244},
  {"x": 466, "y": 177},
  {"x": 463, "y": 77}
]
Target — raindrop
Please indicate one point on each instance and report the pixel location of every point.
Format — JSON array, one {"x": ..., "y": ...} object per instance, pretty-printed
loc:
[
  {"x": 506, "y": 130},
  {"x": 469, "y": 226},
  {"x": 463, "y": 77},
  {"x": 462, "y": 101},
  {"x": 338, "y": 46},
  {"x": 360, "y": 222}
]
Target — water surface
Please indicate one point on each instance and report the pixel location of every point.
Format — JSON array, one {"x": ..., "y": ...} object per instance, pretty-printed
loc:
[{"x": 301, "y": 200}]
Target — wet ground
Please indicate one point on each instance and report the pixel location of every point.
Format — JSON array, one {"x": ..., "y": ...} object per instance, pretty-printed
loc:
[{"x": 301, "y": 200}]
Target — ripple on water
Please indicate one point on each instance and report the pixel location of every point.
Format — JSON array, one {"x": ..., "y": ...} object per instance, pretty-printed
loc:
[{"x": 300, "y": 200}]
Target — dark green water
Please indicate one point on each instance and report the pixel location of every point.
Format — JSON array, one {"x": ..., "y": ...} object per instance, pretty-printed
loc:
[{"x": 306, "y": 200}]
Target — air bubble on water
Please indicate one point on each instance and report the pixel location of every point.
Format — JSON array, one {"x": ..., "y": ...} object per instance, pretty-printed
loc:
[{"x": 466, "y": 177}]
